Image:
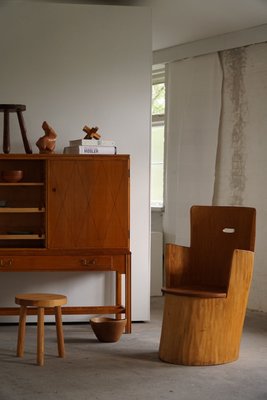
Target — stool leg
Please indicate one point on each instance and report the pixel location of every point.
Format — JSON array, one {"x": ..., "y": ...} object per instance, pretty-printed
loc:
[
  {"x": 60, "y": 337},
  {"x": 26, "y": 144},
  {"x": 21, "y": 331},
  {"x": 6, "y": 141},
  {"x": 40, "y": 337}
]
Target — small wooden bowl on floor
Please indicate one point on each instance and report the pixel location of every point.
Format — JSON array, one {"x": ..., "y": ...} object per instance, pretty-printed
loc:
[{"x": 107, "y": 329}]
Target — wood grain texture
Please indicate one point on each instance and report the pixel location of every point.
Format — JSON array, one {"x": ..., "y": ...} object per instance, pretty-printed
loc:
[
  {"x": 60, "y": 335},
  {"x": 90, "y": 209},
  {"x": 203, "y": 322},
  {"x": 69, "y": 213},
  {"x": 177, "y": 260},
  {"x": 40, "y": 337},
  {"x": 39, "y": 301},
  {"x": 75, "y": 310},
  {"x": 21, "y": 331},
  {"x": 207, "y": 331},
  {"x": 196, "y": 291},
  {"x": 211, "y": 248}
]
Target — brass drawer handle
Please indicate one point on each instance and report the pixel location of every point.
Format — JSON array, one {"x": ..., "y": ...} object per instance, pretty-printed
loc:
[
  {"x": 6, "y": 263},
  {"x": 88, "y": 262}
]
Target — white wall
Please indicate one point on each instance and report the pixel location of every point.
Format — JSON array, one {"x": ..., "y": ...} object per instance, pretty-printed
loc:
[{"x": 74, "y": 65}]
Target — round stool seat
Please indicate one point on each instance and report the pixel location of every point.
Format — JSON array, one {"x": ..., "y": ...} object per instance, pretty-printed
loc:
[
  {"x": 40, "y": 299},
  {"x": 12, "y": 107}
]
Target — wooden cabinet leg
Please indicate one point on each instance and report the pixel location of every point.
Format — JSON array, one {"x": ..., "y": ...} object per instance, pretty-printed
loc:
[
  {"x": 21, "y": 331},
  {"x": 40, "y": 337},
  {"x": 6, "y": 141},
  {"x": 118, "y": 292},
  {"x": 128, "y": 295},
  {"x": 60, "y": 336}
]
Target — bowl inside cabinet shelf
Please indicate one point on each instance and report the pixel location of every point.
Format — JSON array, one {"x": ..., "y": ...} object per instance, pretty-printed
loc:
[{"x": 12, "y": 176}]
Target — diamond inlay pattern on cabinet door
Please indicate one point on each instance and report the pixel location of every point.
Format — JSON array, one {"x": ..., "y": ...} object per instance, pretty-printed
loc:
[{"x": 88, "y": 204}]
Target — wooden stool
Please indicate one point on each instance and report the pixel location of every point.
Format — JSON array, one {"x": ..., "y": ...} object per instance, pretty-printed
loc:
[
  {"x": 40, "y": 301},
  {"x": 18, "y": 108}
]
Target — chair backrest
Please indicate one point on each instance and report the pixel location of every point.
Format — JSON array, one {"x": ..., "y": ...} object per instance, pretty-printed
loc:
[{"x": 216, "y": 231}]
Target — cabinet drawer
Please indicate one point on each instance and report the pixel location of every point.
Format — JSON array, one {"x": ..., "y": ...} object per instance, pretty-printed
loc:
[{"x": 56, "y": 263}]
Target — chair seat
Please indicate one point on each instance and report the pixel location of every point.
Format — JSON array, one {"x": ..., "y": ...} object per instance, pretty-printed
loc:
[{"x": 196, "y": 291}]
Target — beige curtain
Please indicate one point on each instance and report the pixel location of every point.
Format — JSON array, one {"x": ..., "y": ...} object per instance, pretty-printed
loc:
[
  {"x": 193, "y": 114},
  {"x": 241, "y": 169}
]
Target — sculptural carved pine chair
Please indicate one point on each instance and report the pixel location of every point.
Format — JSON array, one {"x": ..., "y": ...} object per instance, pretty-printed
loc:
[{"x": 207, "y": 287}]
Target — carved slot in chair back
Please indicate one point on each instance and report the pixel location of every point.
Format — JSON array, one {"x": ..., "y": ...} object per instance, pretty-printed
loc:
[{"x": 215, "y": 232}]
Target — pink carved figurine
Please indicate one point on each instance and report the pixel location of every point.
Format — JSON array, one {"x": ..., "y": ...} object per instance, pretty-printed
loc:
[{"x": 47, "y": 143}]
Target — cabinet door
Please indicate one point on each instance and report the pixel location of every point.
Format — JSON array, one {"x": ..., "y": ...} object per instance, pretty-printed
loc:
[{"x": 88, "y": 202}]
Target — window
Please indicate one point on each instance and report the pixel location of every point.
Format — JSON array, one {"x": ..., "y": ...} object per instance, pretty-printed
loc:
[{"x": 157, "y": 138}]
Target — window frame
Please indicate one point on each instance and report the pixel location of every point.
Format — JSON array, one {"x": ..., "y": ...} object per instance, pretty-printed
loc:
[{"x": 159, "y": 76}]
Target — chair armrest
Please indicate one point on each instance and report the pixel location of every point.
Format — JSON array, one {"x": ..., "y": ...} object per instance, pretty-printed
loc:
[
  {"x": 241, "y": 272},
  {"x": 176, "y": 261}
]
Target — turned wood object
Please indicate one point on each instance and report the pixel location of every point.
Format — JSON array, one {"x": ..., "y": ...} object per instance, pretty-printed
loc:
[
  {"x": 11, "y": 108},
  {"x": 207, "y": 287}
]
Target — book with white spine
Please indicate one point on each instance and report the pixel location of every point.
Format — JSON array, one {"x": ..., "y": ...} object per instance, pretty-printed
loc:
[
  {"x": 91, "y": 142},
  {"x": 90, "y": 149}
]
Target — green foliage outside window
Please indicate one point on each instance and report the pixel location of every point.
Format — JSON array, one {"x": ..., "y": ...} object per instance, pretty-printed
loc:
[
  {"x": 158, "y": 98},
  {"x": 157, "y": 144}
]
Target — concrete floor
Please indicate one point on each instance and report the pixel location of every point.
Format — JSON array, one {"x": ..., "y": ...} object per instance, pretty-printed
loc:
[{"x": 129, "y": 369}]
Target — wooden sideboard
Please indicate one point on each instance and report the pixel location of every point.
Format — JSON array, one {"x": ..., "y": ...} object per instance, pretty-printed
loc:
[{"x": 68, "y": 213}]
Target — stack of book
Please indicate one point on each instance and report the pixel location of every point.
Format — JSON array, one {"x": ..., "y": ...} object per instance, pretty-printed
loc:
[{"x": 91, "y": 146}]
